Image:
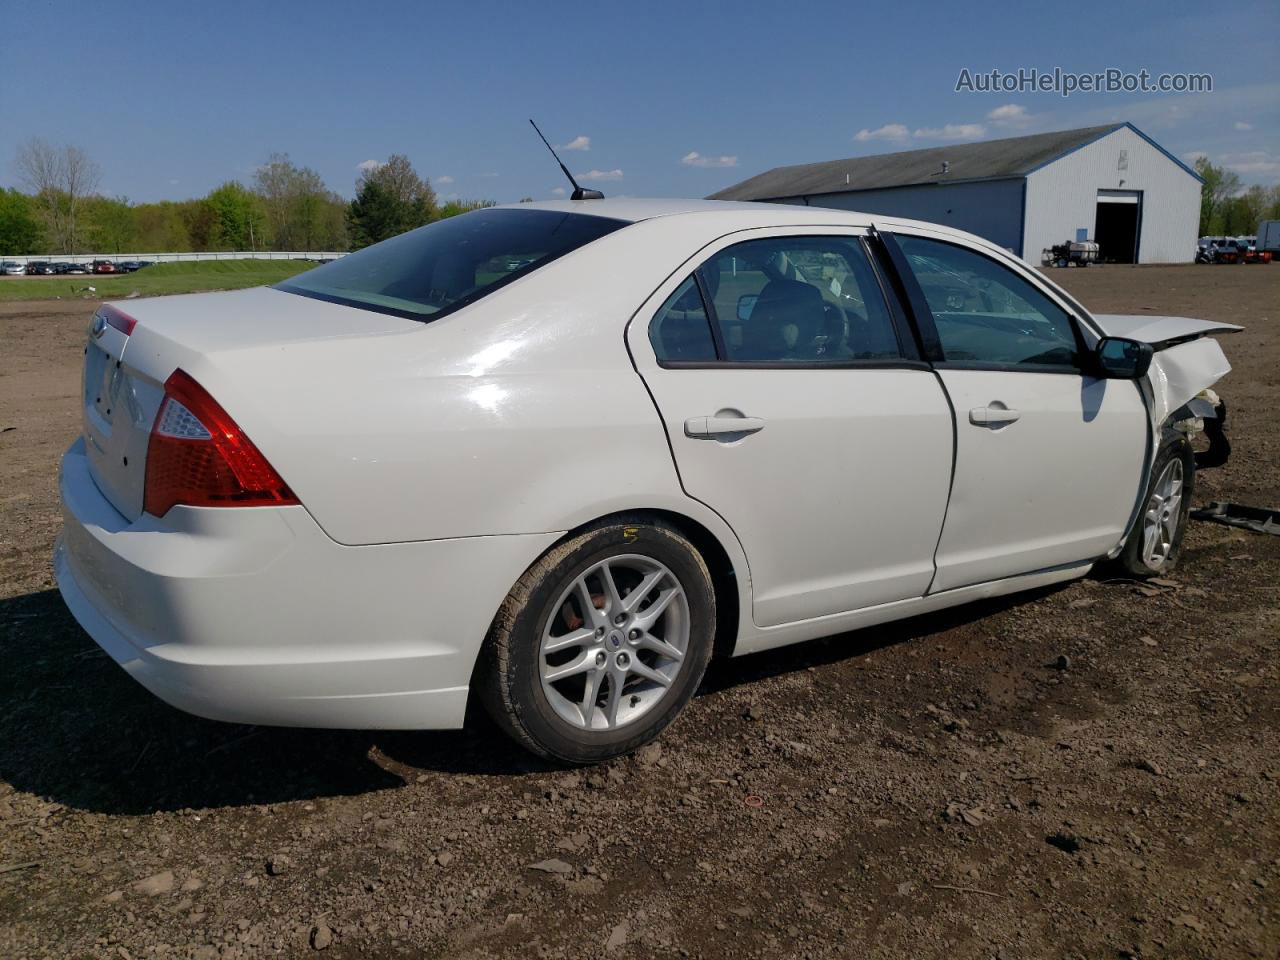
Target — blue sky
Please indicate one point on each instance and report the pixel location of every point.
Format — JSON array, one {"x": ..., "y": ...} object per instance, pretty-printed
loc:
[{"x": 172, "y": 99}]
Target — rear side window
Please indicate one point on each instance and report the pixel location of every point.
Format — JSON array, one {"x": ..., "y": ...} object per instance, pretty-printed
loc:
[
  {"x": 442, "y": 267},
  {"x": 987, "y": 315},
  {"x": 802, "y": 300},
  {"x": 681, "y": 330}
]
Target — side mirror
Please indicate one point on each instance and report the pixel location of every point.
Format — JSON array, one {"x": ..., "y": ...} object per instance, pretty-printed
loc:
[{"x": 1121, "y": 359}]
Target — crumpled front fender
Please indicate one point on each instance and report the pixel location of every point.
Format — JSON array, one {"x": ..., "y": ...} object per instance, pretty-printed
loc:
[
  {"x": 1186, "y": 361},
  {"x": 1179, "y": 373}
]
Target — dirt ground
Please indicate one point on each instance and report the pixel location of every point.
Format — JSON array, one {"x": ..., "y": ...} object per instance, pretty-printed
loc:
[{"x": 1089, "y": 771}]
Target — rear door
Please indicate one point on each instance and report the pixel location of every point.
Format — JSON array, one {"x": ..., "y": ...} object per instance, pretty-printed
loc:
[
  {"x": 797, "y": 408},
  {"x": 1048, "y": 458}
]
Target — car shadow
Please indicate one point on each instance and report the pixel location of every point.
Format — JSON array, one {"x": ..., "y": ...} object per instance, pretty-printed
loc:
[
  {"x": 75, "y": 729},
  {"x": 752, "y": 668}
]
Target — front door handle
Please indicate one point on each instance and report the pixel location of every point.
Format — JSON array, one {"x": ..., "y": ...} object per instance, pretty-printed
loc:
[
  {"x": 993, "y": 415},
  {"x": 712, "y": 428}
]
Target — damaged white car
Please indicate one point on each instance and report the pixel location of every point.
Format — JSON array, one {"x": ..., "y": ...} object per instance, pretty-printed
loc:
[{"x": 550, "y": 457}]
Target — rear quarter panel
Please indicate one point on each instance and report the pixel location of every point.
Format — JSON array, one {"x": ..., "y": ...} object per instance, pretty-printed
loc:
[{"x": 519, "y": 414}]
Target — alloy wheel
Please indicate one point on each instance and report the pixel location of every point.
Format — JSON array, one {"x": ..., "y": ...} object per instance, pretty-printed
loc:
[
  {"x": 615, "y": 642},
  {"x": 1162, "y": 517}
]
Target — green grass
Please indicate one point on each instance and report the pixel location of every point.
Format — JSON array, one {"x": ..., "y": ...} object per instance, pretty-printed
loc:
[{"x": 163, "y": 278}]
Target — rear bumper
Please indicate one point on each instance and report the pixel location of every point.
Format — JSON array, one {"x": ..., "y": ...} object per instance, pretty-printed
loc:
[{"x": 254, "y": 615}]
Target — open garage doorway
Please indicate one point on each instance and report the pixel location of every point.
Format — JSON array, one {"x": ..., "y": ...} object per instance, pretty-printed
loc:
[{"x": 1118, "y": 225}]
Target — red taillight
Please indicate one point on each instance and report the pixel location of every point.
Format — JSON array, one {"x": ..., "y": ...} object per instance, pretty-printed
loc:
[
  {"x": 198, "y": 456},
  {"x": 116, "y": 318}
]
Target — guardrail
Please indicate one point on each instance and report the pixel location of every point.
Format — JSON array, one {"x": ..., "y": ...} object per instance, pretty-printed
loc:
[{"x": 173, "y": 257}]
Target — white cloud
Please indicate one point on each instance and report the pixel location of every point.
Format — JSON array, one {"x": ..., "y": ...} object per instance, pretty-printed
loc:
[
  {"x": 1166, "y": 112},
  {"x": 579, "y": 142},
  {"x": 1256, "y": 164},
  {"x": 952, "y": 131},
  {"x": 1241, "y": 125},
  {"x": 444, "y": 179},
  {"x": 695, "y": 159},
  {"x": 558, "y": 191},
  {"x": 614, "y": 174},
  {"x": 890, "y": 131},
  {"x": 369, "y": 165},
  {"x": 1253, "y": 165},
  {"x": 1010, "y": 115}
]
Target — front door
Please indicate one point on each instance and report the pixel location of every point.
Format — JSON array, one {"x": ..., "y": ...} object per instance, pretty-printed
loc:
[
  {"x": 796, "y": 409},
  {"x": 1048, "y": 459}
]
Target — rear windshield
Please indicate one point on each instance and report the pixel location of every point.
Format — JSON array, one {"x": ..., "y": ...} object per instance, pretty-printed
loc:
[{"x": 439, "y": 268}]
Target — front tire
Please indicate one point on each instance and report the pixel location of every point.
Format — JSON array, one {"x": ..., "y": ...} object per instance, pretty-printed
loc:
[
  {"x": 1155, "y": 542},
  {"x": 601, "y": 643}
]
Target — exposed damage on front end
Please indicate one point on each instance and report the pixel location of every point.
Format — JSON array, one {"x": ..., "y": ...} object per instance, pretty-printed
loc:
[{"x": 1178, "y": 386}]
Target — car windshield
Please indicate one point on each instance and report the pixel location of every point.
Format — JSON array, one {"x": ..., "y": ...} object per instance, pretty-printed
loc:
[{"x": 442, "y": 267}]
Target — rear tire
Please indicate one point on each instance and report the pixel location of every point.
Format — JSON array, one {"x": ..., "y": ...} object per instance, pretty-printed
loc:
[
  {"x": 1155, "y": 542},
  {"x": 601, "y": 643}
]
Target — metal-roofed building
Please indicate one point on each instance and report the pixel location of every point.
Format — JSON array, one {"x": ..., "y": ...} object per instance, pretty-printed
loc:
[{"x": 1112, "y": 184}]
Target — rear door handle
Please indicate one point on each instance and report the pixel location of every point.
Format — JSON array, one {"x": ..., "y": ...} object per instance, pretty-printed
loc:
[
  {"x": 714, "y": 427},
  {"x": 992, "y": 415}
]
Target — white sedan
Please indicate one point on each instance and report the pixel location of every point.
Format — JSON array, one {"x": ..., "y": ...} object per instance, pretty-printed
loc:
[{"x": 553, "y": 456}]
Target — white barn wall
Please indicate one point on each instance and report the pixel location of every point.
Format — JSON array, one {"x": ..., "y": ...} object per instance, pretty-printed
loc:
[{"x": 1063, "y": 196}]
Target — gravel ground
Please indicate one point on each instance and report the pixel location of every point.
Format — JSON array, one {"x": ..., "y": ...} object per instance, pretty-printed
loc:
[{"x": 1089, "y": 771}]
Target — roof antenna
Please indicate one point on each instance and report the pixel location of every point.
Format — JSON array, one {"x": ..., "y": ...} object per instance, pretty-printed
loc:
[{"x": 578, "y": 192}]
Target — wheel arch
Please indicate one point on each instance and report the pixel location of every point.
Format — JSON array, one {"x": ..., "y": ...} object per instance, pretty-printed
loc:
[
  {"x": 730, "y": 578},
  {"x": 725, "y": 578}
]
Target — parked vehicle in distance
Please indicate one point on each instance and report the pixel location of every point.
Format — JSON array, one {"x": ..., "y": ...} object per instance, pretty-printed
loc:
[
  {"x": 104, "y": 266},
  {"x": 414, "y": 476},
  {"x": 11, "y": 268},
  {"x": 76, "y": 268},
  {"x": 1268, "y": 237},
  {"x": 38, "y": 268},
  {"x": 1207, "y": 249},
  {"x": 1249, "y": 251},
  {"x": 1227, "y": 250},
  {"x": 128, "y": 266}
]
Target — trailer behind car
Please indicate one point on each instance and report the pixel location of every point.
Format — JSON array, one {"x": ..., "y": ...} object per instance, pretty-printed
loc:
[
  {"x": 1080, "y": 252},
  {"x": 1269, "y": 236}
]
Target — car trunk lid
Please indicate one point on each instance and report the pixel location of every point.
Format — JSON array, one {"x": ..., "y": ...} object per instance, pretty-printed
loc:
[
  {"x": 118, "y": 406},
  {"x": 127, "y": 362}
]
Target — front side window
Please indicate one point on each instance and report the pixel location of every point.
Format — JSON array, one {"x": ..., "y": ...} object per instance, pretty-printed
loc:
[
  {"x": 439, "y": 268},
  {"x": 987, "y": 315},
  {"x": 804, "y": 300}
]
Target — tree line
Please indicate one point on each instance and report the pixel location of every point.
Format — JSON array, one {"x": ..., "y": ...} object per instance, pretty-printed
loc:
[
  {"x": 284, "y": 207},
  {"x": 289, "y": 207},
  {"x": 1228, "y": 211}
]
